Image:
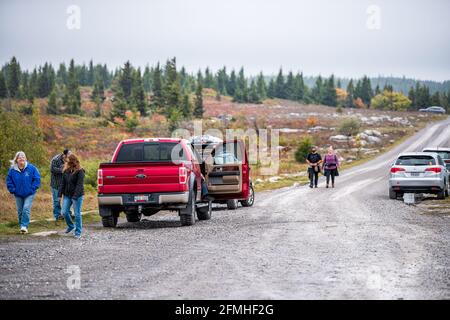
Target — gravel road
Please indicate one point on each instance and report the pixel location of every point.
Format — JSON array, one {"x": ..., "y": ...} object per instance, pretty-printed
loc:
[{"x": 350, "y": 242}]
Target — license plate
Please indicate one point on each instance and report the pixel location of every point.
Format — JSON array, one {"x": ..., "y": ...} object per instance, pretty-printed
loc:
[
  {"x": 415, "y": 174},
  {"x": 140, "y": 198}
]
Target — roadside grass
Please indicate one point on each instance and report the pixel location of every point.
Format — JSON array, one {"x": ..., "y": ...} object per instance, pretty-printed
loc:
[{"x": 12, "y": 227}]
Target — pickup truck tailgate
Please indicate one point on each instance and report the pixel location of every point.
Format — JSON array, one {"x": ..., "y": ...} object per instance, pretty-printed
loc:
[{"x": 140, "y": 178}]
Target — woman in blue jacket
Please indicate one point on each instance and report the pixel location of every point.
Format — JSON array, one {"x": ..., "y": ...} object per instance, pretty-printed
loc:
[{"x": 22, "y": 181}]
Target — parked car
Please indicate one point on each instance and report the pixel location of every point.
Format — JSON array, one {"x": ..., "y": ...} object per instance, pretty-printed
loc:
[
  {"x": 149, "y": 175},
  {"x": 418, "y": 172},
  {"x": 444, "y": 153},
  {"x": 226, "y": 170},
  {"x": 433, "y": 109}
]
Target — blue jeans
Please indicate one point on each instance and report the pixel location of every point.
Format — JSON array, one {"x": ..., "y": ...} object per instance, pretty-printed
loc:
[
  {"x": 56, "y": 204},
  {"x": 24, "y": 210},
  {"x": 77, "y": 203}
]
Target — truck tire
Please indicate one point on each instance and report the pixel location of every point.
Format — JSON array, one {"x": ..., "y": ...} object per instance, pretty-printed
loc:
[
  {"x": 187, "y": 216},
  {"x": 204, "y": 213},
  {"x": 109, "y": 222},
  {"x": 232, "y": 204},
  {"x": 392, "y": 194},
  {"x": 133, "y": 217},
  {"x": 251, "y": 198}
]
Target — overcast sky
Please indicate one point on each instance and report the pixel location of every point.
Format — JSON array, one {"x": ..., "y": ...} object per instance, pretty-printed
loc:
[{"x": 347, "y": 38}]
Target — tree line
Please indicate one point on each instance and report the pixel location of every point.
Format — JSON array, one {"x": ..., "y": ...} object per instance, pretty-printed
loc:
[{"x": 178, "y": 94}]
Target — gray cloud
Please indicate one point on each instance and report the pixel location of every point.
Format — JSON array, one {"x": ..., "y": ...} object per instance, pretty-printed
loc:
[{"x": 323, "y": 36}]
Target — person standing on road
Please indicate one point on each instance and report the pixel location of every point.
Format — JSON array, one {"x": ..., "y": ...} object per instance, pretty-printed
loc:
[
  {"x": 330, "y": 166},
  {"x": 72, "y": 188},
  {"x": 23, "y": 180},
  {"x": 56, "y": 169},
  {"x": 314, "y": 160}
]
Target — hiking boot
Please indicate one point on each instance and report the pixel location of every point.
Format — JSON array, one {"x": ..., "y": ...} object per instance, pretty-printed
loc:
[{"x": 23, "y": 230}]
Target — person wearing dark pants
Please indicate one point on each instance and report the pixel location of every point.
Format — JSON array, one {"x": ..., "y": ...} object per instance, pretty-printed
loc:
[
  {"x": 330, "y": 166},
  {"x": 72, "y": 188},
  {"x": 56, "y": 170},
  {"x": 314, "y": 160}
]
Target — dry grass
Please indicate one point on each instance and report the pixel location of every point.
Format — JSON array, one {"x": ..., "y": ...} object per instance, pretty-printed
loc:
[{"x": 42, "y": 205}]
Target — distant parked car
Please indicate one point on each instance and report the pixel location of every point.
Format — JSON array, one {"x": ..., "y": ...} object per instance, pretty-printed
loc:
[
  {"x": 444, "y": 153},
  {"x": 419, "y": 172},
  {"x": 434, "y": 109}
]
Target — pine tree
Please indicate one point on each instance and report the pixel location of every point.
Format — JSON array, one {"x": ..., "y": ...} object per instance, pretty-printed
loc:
[
  {"x": 209, "y": 79},
  {"x": 221, "y": 81},
  {"x": 46, "y": 80},
  {"x": 366, "y": 91},
  {"x": 147, "y": 79},
  {"x": 317, "y": 92},
  {"x": 126, "y": 80},
  {"x": 3, "y": 87},
  {"x": 198, "y": 104},
  {"x": 271, "y": 89},
  {"x": 261, "y": 86},
  {"x": 290, "y": 87},
  {"x": 61, "y": 75},
  {"x": 253, "y": 93},
  {"x": 52, "y": 107},
  {"x": 98, "y": 93},
  {"x": 73, "y": 97},
  {"x": 138, "y": 99},
  {"x": 157, "y": 100},
  {"x": 90, "y": 74},
  {"x": 280, "y": 91},
  {"x": 329, "y": 94},
  {"x": 299, "y": 87},
  {"x": 13, "y": 78},
  {"x": 350, "y": 95},
  {"x": 186, "y": 106},
  {"x": 171, "y": 88},
  {"x": 435, "y": 99},
  {"x": 241, "y": 92},
  {"x": 231, "y": 86}
]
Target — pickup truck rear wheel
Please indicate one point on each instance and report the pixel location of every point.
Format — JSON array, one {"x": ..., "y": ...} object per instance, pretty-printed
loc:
[
  {"x": 232, "y": 204},
  {"x": 187, "y": 216},
  {"x": 204, "y": 213},
  {"x": 110, "y": 222}
]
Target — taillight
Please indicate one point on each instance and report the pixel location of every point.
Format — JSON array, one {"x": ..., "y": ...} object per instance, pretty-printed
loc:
[
  {"x": 182, "y": 175},
  {"x": 100, "y": 177},
  {"x": 434, "y": 169},
  {"x": 396, "y": 169}
]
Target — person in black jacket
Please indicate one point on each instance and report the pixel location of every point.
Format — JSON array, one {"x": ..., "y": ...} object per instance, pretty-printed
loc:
[
  {"x": 56, "y": 169},
  {"x": 72, "y": 188},
  {"x": 314, "y": 160}
]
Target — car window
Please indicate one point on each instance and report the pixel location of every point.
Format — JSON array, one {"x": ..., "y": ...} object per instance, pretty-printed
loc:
[
  {"x": 415, "y": 161},
  {"x": 443, "y": 154},
  {"x": 228, "y": 153},
  {"x": 151, "y": 152}
]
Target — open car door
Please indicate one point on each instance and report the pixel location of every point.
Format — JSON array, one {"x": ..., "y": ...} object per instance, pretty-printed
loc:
[{"x": 227, "y": 171}]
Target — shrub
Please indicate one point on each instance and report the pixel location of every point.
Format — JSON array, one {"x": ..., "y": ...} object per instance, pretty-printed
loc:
[
  {"x": 304, "y": 147},
  {"x": 350, "y": 127},
  {"x": 21, "y": 133}
]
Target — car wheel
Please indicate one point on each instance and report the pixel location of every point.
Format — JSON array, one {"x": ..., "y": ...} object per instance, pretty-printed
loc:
[
  {"x": 187, "y": 216},
  {"x": 232, "y": 204},
  {"x": 109, "y": 222},
  {"x": 133, "y": 217},
  {"x": 204, "y": 213},
  {"x": 250, "y": 200},
  {"x": 447, "y": 190},
  {"x": 392, "y": 194}
]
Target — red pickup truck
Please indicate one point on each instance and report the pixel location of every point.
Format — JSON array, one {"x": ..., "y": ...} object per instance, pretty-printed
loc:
[{"x": 149, "y": 175}]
